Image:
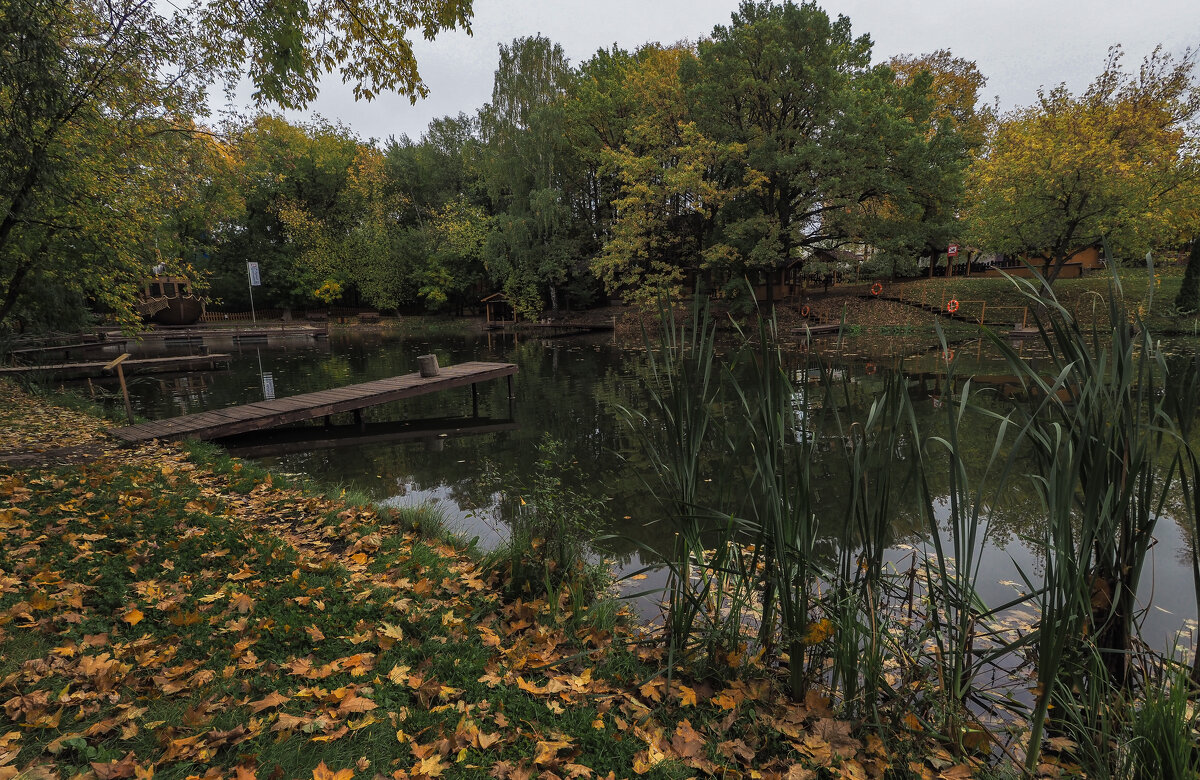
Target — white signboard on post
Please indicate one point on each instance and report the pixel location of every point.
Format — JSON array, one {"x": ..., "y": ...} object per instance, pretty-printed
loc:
[
  {"x": 255, "y": 281},
  {"x": 268, "y": 383},
  {"x": 952, "y": 250}
]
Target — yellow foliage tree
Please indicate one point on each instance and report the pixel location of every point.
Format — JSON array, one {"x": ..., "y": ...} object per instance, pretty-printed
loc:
[
  {"x": 664, "y": 195},
  {"x": 1119, "y": 162}
]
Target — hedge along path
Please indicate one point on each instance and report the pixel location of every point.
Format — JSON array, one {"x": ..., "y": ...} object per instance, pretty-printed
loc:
[{"x": 162, "y": 617}]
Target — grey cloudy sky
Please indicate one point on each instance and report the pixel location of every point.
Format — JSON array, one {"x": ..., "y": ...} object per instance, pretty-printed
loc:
[{"x": 1018, "y": 44}]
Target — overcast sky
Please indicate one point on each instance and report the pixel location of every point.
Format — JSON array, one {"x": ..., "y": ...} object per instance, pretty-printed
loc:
[{"x": 1018, "y": 45}]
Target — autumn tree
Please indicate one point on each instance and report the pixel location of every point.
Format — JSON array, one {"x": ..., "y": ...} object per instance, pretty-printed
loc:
[
  {"x": 953, "y": 91},
  {"x": 598, "y": 109},
  {"x": 96, "y": 100},
  {"x": 665, "y": 199},
  {"x": 1117, "y": 162}
]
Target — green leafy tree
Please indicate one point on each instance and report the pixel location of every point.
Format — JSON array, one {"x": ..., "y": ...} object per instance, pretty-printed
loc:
[
  {"x": 921, "y": 219},
  {"x": 444, "y": 221},
  {"x": 292, "y": 180},
  {"x": 921, "y": 136},
  {"x": 95, "y": 101},
  {"x": 779, "y": 79},
  {"x": 286, "y": 47},
  {"x": 529, "y": 249},
  {"x": 456, "y": 235}
]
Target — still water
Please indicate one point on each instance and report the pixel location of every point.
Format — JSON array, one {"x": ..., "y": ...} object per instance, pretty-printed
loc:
[{"x": 432, "y": 449}]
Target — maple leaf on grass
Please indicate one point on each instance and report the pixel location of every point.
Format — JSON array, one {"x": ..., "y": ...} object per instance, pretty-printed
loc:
[
  {"x": 323, "y": 772},
  {"x": 272, "y": 699}
]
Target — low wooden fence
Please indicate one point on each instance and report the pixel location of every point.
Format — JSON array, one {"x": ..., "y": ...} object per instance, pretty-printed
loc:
[
  {"x": 296, "y": 316},
  {"x": 239, "y": 316}
]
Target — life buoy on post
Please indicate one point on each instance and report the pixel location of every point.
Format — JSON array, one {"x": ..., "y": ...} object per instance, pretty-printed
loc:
[
  {"x": 876, "y": 289},
  {"x": 805, "y": 310},
  {"x": 952, "y": 306},
  {"x": 948, "y": 355},
  {"x": 870, "y": 368}
]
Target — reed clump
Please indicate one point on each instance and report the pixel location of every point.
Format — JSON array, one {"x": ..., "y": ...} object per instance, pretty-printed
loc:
[{"x": 766, "y": 566}]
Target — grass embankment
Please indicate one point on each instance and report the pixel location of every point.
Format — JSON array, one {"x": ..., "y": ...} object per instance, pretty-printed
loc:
[
  {"x": 174, "y": 613},
  {"x": 1001, "y": 302}
]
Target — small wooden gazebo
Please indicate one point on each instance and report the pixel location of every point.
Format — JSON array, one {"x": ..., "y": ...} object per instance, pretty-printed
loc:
[{"x": 498, "y": 310}]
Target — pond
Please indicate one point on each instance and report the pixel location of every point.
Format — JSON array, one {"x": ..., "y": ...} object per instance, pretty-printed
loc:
[{"x": 571, "y": 390}]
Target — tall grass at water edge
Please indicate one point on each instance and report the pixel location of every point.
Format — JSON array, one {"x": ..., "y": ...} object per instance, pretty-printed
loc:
[
  {"x": 1107, "y": 422},
  {"x": 1107, "y": 425}
]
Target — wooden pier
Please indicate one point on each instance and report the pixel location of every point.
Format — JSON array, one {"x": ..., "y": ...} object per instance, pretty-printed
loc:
[
  {"x": 831, "y": 329},
  {"x": 352, "y": 398},
  {"x": 65, "y": 352},
  {"x": 139, "y": 366},
  {"x": 307, "y": 438}
]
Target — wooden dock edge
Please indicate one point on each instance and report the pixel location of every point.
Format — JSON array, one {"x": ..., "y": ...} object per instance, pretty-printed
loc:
[{"x": 262, "y": 415}]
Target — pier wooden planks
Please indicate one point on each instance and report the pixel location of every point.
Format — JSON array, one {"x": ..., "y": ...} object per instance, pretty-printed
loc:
[
  {"x": 268, "y": 414},
  {"x": 137, "y": 366}
]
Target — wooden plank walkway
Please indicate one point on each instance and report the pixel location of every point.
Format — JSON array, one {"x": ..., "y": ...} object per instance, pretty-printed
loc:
[
  {"x": 138, "y": 366},
  {"x": 268, "y": 414},
  {"x": 66, "y": 350}
]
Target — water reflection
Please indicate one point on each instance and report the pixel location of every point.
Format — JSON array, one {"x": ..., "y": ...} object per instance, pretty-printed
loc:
[{"x": 435, "y": 448}]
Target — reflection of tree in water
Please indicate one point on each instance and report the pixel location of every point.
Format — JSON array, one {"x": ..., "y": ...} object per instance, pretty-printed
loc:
[{"x": 573, "y": 389}]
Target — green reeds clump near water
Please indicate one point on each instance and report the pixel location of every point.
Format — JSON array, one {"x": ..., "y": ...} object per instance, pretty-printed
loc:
[
  {"x": 1106, "y": 425},
  {"x": 1107, "y": 429}
]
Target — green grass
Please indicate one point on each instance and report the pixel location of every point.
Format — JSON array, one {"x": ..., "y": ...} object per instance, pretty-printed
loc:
[{"x": 1082, "y": 296}]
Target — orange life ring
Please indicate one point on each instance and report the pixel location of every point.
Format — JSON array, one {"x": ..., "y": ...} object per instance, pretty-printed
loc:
[
  {"x": 952, "y": 306},
  {"x": 804, "y": 310},
  {"x": 870, "y": 368},
  {"x": 876, "y": 288},
  {"x": 948, "y": 355}
]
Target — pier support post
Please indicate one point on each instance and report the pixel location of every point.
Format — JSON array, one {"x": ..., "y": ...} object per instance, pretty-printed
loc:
[
  {"x": 124, "y": 389},
  {"x": 358, "y": 420},
  {"x": 474, "y": 400}
]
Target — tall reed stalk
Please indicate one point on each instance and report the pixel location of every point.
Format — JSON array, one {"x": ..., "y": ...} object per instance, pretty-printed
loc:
[
  {"x": 880, "y": 455},
  {"x": 678, "y": 434},
  {"x": 779, "y": 498},
  {"x": 957, "y": 529},
  {"x": 1182, "y": 402}
]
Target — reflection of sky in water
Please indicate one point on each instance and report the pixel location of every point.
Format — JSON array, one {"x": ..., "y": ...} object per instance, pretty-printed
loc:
[{"x": 570, "y": 388}]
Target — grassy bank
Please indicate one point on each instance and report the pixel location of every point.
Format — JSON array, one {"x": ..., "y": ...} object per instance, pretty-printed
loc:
[
  {"x": 174, "y": 613},
  {"x": 1153, "y": 297}
]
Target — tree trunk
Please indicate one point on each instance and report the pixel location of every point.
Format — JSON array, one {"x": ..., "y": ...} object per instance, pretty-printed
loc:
[
  {"x": 553, "y": 298},
  {"x": 1189, "y": 292},
  {"x": 14, "y": 290}
]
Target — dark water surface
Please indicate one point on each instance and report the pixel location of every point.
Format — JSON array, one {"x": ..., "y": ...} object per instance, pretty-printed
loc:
[{"x": 571, "y": 389}]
